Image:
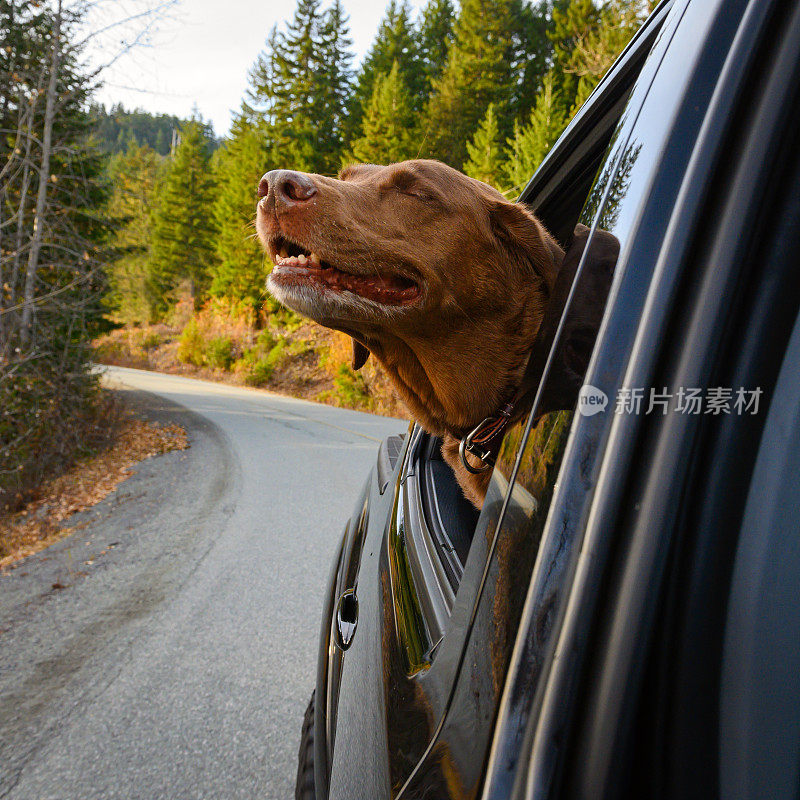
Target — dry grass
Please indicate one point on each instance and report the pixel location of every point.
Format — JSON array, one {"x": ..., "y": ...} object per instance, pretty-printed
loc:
[{"x": 39, "y": 522}]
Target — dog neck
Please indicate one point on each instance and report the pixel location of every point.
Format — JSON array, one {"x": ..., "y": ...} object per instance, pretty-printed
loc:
[{"x": 452, "y": 388}]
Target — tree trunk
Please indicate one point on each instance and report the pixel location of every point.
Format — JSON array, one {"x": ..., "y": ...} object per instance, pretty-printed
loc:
[
  {"x": 3, "y": 118},
  {"x": 44, "y": 177}
]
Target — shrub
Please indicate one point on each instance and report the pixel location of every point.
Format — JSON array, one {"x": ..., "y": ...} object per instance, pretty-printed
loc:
[
  {"x": 48, "y": 419},
  {"x": 352, "y": 388},
  {"x": 259, "y": 366},
  {"x": 219, "y": 352},
  {"x": 282, "y": 317},
  {"x": 108, "y": 350},
  {"x": 191, "y": 344},
  {"x": 149, "y": 340},
  {"x": 265, "y": 341}
]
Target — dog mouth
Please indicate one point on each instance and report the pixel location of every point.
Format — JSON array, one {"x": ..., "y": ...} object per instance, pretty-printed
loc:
[{"x": 296, "y": 263}]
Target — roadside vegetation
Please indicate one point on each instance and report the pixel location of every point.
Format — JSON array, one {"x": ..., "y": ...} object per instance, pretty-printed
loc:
[
  {"x": 486, "y": 87},
  {"x": 127, "y": 238},
  {"x": 283, "y": 353}
]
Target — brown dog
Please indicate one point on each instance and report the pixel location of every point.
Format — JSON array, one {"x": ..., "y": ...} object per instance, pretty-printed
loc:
[{"x": 437, "y": 275}]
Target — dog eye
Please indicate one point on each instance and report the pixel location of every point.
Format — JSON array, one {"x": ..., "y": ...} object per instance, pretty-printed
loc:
[
  {"x": 413, "y": 192},
  {"x": 416, "y": 192}
]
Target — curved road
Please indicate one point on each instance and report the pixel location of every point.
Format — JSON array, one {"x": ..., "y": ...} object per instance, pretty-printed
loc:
[{"x": 167, "y": 648}]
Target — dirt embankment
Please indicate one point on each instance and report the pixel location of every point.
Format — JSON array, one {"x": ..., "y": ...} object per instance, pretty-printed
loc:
[{"x": 286, "y": 355}]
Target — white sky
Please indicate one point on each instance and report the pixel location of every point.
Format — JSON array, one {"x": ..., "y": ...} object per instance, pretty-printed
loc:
[{"x": 201, "y": 54}]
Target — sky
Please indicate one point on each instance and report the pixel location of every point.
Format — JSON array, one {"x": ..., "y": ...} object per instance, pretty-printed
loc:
[{"x": 200, "y": 54}]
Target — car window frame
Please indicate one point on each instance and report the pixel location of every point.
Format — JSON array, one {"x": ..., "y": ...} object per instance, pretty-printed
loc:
[{"x": 559, "y": 697}]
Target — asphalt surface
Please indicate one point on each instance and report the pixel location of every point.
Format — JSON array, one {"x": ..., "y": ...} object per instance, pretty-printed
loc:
[{"x": 167, "y": 648}]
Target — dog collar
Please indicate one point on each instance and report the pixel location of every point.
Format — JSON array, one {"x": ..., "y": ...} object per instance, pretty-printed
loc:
[{"x": 484, "y": 440}]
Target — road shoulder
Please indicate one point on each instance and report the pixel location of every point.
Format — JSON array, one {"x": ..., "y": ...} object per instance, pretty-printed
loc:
[{"x": 134, "y": 550}]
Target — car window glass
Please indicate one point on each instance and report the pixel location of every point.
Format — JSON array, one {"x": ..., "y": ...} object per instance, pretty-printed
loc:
[{"x": 572, "y": 321}]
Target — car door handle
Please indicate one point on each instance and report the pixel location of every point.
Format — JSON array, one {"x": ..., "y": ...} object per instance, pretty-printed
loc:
[{"x": 346, "y": 618}]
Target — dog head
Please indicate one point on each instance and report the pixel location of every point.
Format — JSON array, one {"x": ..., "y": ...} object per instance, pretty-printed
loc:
[{"x": 436, "y": 273}]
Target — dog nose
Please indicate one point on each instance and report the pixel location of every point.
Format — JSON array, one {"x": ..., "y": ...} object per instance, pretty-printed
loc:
[{"x": 290, "y": 187}]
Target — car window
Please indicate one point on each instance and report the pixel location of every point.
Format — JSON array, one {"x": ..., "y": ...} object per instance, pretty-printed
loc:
[{"x": 458, "y": 657}]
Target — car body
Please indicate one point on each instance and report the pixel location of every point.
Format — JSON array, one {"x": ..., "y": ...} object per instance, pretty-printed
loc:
[{"x": 622, "y": 617}]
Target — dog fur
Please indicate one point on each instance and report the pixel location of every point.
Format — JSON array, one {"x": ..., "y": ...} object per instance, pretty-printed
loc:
[{"x": 434, "y": 273}]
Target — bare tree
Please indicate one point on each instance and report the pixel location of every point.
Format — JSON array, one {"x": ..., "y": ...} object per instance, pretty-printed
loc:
[{"x": 55, "y": 240}]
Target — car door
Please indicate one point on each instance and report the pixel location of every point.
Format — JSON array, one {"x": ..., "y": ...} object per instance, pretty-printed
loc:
[
  {"x": 423, "y": 677},
  {"x": 693, "y": 301}
]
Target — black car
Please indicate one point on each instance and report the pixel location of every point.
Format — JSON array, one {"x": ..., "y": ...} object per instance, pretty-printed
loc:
[{"x": 622, "y": 619}]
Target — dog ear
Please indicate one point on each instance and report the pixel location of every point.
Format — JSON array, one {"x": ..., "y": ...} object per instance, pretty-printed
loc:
[
  {"x": 523, "y": 234},
  {"x": 360, "y": 355}
]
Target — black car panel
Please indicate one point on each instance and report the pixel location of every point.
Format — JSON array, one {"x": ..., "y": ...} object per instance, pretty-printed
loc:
[
  {"x": 679, "y": 259},
  {"x": 759, "y": 728},
  {"x": 503, "y": 655}
]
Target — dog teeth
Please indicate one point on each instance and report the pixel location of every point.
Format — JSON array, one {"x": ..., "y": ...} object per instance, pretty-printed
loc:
[{"x": 284, "y": 259}]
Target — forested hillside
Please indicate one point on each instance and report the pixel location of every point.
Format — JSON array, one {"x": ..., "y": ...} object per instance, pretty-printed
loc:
[
  {"x": 117, "y": 128},
  {"x": 486, "y": 86},
  {"x": 122, "y": 218}
]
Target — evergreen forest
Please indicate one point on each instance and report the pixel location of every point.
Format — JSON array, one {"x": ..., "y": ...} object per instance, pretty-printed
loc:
[{"x": 115, "y": 218}]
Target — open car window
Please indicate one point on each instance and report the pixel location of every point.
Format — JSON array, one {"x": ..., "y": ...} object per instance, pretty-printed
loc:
[{"x": 449, "y": 520}]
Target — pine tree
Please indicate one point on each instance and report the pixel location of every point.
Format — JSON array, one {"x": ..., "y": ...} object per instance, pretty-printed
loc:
[
  {"x": 238, "y": 271},
  {"x": 335, "y": 81},
  {"x": 531, "y": 143},
  {"x": 301, "y": 83},
  {"x": 52, "y": 234},
  {"x": 573, "y": 21},
  {"x": 133, "y": 176},
  {"x": 486, "y": 152},
  {"x": 183, "y": 221},
  {"x": 536, "y": 55},
  {"x": 264, "y": 85},
  {"x": 394, "y": 43},
  {"x": 482, "y": 68},
  {"x": 595, "y": 48},
  {"x": 434, "y": 37},
  {"x": 388, "y": 123},
  {"x": 297, "y": 107}
]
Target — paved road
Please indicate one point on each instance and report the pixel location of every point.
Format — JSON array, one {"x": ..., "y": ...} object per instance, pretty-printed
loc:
[{"x": 178, "y": 658}]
